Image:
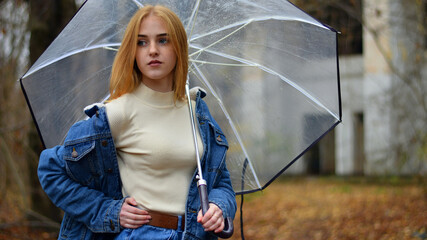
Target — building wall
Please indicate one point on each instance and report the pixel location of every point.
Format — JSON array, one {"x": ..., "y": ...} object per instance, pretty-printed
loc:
[
  {"x": 383, "y": 92},
  {"x": 351, "y": 74}
]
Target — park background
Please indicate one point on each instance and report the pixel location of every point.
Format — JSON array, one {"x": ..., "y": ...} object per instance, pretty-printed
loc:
[{"x": 364, "y": 180}]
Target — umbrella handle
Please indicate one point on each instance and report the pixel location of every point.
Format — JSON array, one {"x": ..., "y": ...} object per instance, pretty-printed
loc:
[
  {"x": 203, "y": 193},
  {"x": 228, "y": 230}
]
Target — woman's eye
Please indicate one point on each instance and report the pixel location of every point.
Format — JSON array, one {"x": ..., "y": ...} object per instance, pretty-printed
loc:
[
  {"x": 163, "y": 41},
  {"x": 142, "y": 43}
]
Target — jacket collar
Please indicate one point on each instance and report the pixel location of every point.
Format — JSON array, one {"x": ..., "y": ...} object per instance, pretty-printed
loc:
[{"x": 195, "y": 93}]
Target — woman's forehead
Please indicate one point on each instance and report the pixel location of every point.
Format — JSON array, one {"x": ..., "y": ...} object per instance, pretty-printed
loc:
[{"x": 152, "y": 25}]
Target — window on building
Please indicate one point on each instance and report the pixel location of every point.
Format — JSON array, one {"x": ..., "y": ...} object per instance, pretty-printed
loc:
[
  {"x": 359, "y": 144},
  {"x": 343, "y": 15},
  {"x": 320, "y": 158}
]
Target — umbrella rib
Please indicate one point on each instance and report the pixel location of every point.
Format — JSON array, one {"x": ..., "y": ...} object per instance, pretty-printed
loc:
[
  {"x": 221, "y": 64},
  {"x": 229, "y": 120},
  {"x": 112, "y": 49},
  {"x": 220, "y": 40},
  {"x": 243, "y": 62},
  {"x": 246, "y": 22},
  {"x": 106, "y": 46},
  {"x": 271, "y": 71},
  {"x": 300, "y": 89},
  {"x": 242, "y": 25},
  {"x": 140, "y": 5},
  {"x": 192, "y": 18}
]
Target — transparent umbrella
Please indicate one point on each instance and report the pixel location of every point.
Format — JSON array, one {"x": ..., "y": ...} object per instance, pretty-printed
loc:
[{"x": 270, "y": 70}]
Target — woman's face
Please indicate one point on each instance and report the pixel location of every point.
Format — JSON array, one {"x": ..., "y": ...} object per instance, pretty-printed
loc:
[{"x": 155, "y": 55}]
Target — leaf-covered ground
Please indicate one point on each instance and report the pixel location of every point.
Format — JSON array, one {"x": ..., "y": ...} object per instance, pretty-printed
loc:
[
  {"x": 334, "y": 208},
  {"x": 296, "y": 208}
]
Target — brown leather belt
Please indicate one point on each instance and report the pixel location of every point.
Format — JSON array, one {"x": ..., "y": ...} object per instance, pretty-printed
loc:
[{"x": 164, "y": 220}]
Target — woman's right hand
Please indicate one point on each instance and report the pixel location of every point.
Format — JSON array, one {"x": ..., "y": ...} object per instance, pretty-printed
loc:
[{"x": 131, "y": 216}]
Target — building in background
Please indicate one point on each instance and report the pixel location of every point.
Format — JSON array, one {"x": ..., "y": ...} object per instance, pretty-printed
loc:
[{"x": 383, "y": 87}]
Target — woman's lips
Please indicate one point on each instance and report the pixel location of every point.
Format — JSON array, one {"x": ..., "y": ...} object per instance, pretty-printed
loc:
[{"x": 154, "y": 63}]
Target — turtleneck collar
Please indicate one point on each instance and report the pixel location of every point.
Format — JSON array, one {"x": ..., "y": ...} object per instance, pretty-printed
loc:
[{"x": 155, "y": 98}]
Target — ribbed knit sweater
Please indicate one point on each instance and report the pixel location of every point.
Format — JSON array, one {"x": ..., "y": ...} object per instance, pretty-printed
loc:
[{"x": 155, "y": 148}]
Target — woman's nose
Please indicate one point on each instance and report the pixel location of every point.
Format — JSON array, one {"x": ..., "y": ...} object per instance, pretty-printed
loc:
[{"x": 153, "y": 49}]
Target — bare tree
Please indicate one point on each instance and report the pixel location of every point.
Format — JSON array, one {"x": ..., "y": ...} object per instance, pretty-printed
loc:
[
  {"x": 15, "y": 121},
  {"x": 47, "y": 19},
  {"x": 27, "y": 28}
]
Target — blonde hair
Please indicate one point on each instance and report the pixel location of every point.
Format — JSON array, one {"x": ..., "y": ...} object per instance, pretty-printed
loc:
[{"x": 126, "y": 76}]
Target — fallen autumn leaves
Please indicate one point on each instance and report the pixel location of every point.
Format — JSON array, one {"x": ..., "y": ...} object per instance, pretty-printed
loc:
[
  {"x": 319, "y": 208},
  {"x": 334, "y": 208}
]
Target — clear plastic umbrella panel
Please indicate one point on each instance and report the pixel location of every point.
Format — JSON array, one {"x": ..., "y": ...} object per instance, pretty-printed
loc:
[{"x": 270, "y": 71}]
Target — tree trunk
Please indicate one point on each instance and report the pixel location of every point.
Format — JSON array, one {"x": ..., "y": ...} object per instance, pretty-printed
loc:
[{"x": 47, "y": 19}]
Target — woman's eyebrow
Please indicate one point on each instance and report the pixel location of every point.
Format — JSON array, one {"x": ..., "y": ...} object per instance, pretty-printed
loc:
[{"x": 158, "y": 35}]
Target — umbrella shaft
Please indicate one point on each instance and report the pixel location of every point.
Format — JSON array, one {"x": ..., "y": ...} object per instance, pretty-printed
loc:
[{"x": 193, "y": 128}]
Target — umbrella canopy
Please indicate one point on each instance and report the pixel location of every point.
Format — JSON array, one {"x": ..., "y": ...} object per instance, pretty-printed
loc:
[{"x": 270, "y": 70}]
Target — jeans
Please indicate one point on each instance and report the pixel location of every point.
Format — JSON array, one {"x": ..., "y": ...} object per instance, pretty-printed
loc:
[{"x": 147, "y": 232}]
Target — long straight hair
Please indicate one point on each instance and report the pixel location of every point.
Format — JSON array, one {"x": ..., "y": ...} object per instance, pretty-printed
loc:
[{"x": 126, "y": 76}]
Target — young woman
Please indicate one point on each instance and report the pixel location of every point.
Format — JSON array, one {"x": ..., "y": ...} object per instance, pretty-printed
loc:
[{"x": 129, "y": 172}]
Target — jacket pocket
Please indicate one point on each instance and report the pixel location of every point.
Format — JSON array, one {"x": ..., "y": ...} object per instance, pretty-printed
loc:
[
  {"x": 81, "y": 162},
  {"x": 218, "y": 149},
  {"x": 219, "y": 136}
]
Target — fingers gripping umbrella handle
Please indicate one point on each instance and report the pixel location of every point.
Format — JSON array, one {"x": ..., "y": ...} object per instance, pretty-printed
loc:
[
  {"x": 228, "y": 230},
  {"x": 203, "y": 192}
]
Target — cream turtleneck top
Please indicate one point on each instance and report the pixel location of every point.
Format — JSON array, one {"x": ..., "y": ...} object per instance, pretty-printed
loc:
[{"x": 155, "y": 148}]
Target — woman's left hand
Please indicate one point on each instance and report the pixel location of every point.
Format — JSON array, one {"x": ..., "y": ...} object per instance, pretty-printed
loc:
[{"x": 212, "y": 220}]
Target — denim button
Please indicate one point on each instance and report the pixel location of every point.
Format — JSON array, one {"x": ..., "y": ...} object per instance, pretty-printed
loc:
[
  {"x": 219, "y": 139},
  {"x": 74, "y": 154},
  {"x": 109, "y": 170},
  {"x": 104, "y": 143}
]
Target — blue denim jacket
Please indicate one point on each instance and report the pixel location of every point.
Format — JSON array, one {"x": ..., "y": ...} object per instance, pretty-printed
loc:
[{"x": 82, "y": 178}]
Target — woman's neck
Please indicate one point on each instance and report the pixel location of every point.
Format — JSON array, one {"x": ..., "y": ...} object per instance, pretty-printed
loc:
[{"x": 164, "y": 85}]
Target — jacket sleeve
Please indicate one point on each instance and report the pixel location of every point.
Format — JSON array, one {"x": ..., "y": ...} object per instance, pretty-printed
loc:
[
  {"x": 99, "y": 212},
  {"x": 222, "y": 193}
]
